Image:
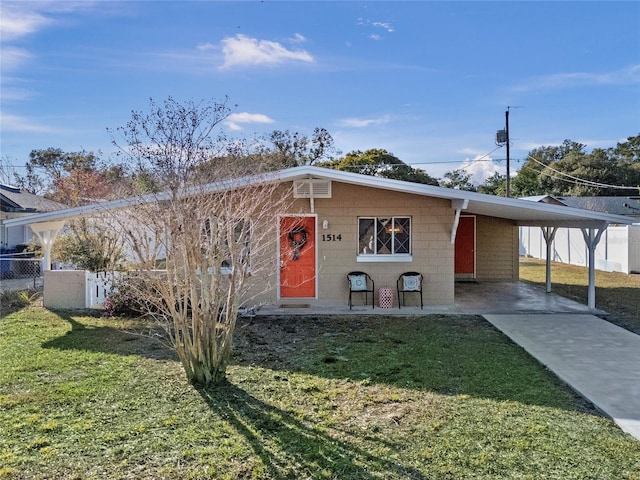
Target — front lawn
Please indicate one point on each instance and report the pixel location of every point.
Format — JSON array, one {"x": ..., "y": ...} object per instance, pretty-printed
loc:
[{"x": 343, "y": 398}]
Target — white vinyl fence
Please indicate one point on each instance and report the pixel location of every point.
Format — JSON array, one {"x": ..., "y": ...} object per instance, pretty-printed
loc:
[
  {"x": 98, "y": 285},
  {"x": 618, "y": 250}
]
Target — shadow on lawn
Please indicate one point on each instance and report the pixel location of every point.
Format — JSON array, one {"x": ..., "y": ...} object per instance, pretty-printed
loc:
[
  {"x": 109, "y": 340},
  {"x": 289, "y": 447},
  {"x": 444, "y": 354},
  {"x": 623, "y": 305}
]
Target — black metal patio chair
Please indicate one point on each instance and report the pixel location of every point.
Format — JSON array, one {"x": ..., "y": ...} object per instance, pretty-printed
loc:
[
  {"x": 410, "y": 282},
  {"x": 361, "y": 282}
]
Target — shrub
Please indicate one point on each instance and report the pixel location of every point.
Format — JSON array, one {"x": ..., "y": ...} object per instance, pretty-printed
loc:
[
  {"x": 127, "y": 297},
  {"x": 16, "y": 300}
]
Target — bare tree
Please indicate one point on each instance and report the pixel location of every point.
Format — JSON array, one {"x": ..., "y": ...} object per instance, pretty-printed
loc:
[
  {"x": 8, "y": 172},
  {"x": 214, "y": 231}
]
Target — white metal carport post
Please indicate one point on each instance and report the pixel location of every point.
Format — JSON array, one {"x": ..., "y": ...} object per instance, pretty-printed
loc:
[
  {"x": 47, "y": 233},
  {"x": 549, "y": 234},
  {"x": 592, "y": 238}
]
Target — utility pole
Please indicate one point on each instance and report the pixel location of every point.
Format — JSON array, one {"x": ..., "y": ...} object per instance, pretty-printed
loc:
[
  {"x": 508, "y": 192},
  {"x": 502, "y": 137}
]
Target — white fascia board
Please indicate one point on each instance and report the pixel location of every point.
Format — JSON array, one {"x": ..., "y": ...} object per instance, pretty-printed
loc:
[
  {"x": 73, "y": 212},
  {"x": 518, "y": 209},
  {"x": 93, "y": 208}
]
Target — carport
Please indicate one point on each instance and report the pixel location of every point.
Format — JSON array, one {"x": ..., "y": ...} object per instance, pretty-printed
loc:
[{"x": 591, "y": 224}]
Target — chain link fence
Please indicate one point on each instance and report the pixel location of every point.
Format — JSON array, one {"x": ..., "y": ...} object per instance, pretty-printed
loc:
[{"x": 20, "y": 271}]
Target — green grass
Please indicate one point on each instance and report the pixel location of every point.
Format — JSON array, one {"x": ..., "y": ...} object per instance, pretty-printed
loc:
[
  {"x": 618, "y": 294},
  {"x": 11, "y": 301},
  {"x": 345, "y": 397}
]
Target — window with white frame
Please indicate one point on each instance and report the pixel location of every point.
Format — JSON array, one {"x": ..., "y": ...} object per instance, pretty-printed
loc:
[
  {"x": 217, "y": 245},
  {"x": 384, "y": 236}
]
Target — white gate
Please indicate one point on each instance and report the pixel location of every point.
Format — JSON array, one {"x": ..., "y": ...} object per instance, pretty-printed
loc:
[{"x": 98, "y": 287}]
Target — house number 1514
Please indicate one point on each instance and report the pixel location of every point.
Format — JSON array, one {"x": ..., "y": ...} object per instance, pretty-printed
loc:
[{"x": 332, "y": 238}]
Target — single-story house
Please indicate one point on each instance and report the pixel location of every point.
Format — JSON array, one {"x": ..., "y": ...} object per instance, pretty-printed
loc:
[
  {"x": 618, "y": 250},
  {"x": 354, "y": 222},
  {"x": 17, "y": 203}
]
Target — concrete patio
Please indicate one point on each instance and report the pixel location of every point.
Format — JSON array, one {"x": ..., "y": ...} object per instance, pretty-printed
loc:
[{"x": 471, "y": 298}]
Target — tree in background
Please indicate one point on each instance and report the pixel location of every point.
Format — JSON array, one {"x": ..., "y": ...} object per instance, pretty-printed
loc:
[
  {"x": 379, "y": 162},
  {"x": 567, "y": 169},
  {"x": 8, "y": 173},
  {"x": 627, "y": 155},
  {"x": 214, "y": 241},
  {"x": 627, "y": 151},
  {"x": 72, "y": 178},
  {"x": 90, "y": 244},
  {"x": 459, "y": 180},
  {"x": 293, "y": 149},
  {"x": 496, "y": 184}
]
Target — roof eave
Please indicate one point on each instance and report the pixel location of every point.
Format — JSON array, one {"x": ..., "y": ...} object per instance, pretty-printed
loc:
[{"x": 492, "y": 205}]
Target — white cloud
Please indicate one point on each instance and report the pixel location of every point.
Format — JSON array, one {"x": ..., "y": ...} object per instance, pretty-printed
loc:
[
  {"x": 14, "y": 123},
  {"x": 298, "y": 38},
  {"x": 236, "y": 120},
  {"x": 10, "y": 93},
  {"x": 17, "y": 22},
  {"x": 19, "y": 19},
  {"x": 482, "y": 169},
  {"x": 204, "y": 47},
  {"x": 13, "y": 57},
  {"x": 623, "y": 76},
  {"x": 385, "y": 25},
  {"x": 363, "y": 122},
  {"x": 246, "y": 51}
]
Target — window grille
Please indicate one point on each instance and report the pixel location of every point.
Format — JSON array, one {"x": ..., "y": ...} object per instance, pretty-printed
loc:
[{"x": 384, "y": 236}]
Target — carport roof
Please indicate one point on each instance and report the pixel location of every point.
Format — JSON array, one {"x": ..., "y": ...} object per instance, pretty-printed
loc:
[{"x": 522, "y": 212}]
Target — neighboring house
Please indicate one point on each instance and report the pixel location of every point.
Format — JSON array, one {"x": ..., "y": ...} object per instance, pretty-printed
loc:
[
  {"x": 16, "y": 203},
  {"x": 619, "y": 249},
  {"x": 383, "y": 227}
]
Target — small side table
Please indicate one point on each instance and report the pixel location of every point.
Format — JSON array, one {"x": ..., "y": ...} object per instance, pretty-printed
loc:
[{"x": 386, "y": 297}]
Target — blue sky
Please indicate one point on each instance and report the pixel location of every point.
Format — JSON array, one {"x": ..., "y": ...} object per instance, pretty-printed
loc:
[{"x": 427, "y": 81}]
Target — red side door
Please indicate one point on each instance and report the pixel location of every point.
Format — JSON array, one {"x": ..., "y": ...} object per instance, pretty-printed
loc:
[
  {"x": 465, "y": 248},
  {"x": 297, "y": 257}
]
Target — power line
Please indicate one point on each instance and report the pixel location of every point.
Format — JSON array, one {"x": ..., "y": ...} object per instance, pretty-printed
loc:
[
  {"x": 577, "y": 180},
  {"x": 483, "y": 158}
]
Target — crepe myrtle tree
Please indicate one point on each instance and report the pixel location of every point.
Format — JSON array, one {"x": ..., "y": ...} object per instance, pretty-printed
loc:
[{"x": 214, "y": 229}]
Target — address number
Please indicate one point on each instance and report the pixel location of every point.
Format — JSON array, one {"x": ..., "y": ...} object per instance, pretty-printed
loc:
[{"x": 332, "y": 238}]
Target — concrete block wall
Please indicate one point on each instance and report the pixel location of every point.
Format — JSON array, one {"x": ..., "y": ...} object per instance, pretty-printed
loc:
[
  {"x": 497, "y": 257},
  {"x": 432, "y": 252},
  {"x": 64, "y": 289}
]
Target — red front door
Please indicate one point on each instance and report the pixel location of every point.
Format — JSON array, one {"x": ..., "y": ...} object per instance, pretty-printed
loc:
[
  {"x": 297, "y": 257},
  {"x": 465, "y": 248}
]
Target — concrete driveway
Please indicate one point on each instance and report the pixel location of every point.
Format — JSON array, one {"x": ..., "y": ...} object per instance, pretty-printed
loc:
[{"x": 599, "y": 360}]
